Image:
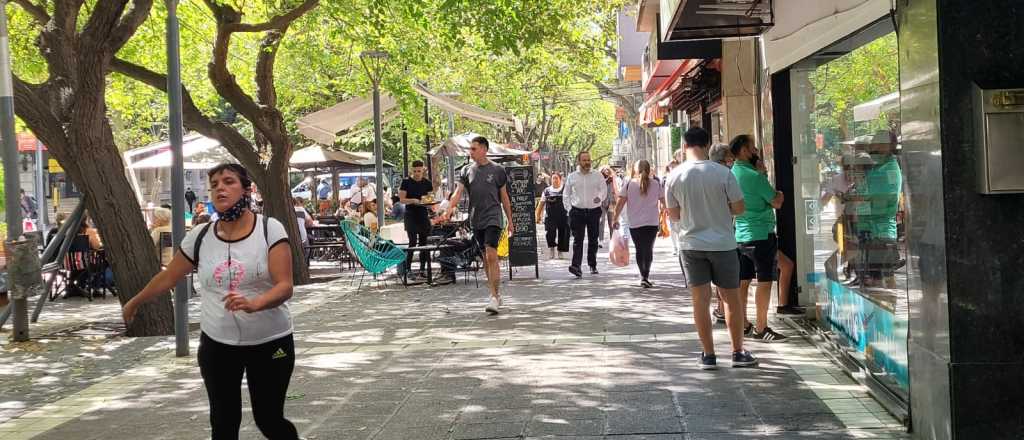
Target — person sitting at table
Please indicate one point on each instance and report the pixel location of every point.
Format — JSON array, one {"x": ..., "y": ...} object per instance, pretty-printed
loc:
[
  {"x": 61, "y": 217},
  {"x": 304, "y": 220},
  {"x": 161, "y": 224},
  {"x": 200, "y": 219},
  {"x": 95, "y": 242},
  {"x": 369, "y": 216}
]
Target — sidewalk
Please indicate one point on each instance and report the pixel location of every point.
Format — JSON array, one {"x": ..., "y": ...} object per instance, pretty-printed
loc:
[{"x": 591, "y": 359}]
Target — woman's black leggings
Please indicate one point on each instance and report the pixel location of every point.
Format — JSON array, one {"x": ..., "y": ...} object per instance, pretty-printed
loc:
[
  {"x": 268, "y": 369},
  {"x": 643, "y": 240}
]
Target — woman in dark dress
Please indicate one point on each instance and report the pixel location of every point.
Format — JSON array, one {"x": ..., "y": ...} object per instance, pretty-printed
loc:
[{"x": 556, "y": 222}]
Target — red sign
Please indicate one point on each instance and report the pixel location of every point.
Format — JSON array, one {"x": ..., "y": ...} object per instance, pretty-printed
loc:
[{"x": 26, "y": 142}]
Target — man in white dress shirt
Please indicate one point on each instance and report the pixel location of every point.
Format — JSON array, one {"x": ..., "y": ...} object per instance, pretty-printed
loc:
[{"x": 585, "y": 191}]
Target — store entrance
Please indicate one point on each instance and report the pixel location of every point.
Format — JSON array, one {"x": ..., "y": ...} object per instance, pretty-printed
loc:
[{"x": 851, "y": 234}]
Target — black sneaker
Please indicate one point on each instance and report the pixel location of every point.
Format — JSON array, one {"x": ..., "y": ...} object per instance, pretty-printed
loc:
[
  {"x": 593, "y": 271},
  {"x": 748, "y": 330},
  {"x": 576, "y": 271},
  {"x": 719, "y": 316},
  {"x": 646, "y": 284},
  {"x": 707, "y": 362},
  {"x": 768, "y": 335},
  {"x": 743, "y": 359},
  {"x": 790, "y": 310}
]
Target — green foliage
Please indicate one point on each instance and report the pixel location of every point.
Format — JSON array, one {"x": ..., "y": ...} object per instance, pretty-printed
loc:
[
  {"x": 864, "y": 74},
  {"x": 525, "y": 57},
  {"x": 857, "y": 77}
]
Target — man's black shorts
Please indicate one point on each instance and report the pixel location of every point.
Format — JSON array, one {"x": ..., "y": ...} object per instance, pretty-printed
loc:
[
  {"x": 757, "y": 258},
  {"x": 487, "y": 237}
]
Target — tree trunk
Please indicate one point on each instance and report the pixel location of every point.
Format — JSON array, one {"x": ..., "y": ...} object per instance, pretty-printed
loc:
[
  {"x": 277, "y": 203},
  {"x": 100, "y": 172}
]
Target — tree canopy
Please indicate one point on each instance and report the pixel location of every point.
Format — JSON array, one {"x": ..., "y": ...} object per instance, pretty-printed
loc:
[{"x": 533, "y": 59}]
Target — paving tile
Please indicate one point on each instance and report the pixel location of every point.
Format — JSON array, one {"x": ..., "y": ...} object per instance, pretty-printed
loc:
[
  {"x": 487, "y": 430},
  {"x": 563, "y": 427},
  {"x": 572, "y": 360}
]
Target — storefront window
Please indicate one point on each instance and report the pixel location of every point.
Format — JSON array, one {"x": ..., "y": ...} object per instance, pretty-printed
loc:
[{"x": 852, "y": 185}]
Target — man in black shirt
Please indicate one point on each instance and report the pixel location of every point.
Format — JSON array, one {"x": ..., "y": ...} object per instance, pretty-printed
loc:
[{"x": 417, "y": 219}]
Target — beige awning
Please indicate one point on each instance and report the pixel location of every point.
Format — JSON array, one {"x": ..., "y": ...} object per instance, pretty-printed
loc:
[
  {"x": 465, "y": 110},
  {"x": 323, "y": 126},
  {"x": 316, "y": 156},
  {"x": 458, "y": 146}
]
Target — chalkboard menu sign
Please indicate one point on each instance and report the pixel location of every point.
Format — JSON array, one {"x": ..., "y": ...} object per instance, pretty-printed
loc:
[{"x": 522, "y": 249}]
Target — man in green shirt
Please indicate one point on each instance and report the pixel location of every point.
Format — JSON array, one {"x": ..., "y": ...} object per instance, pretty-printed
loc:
[
  {"x": 875, "y": 225},
  {"x": 755, "y": 236}
]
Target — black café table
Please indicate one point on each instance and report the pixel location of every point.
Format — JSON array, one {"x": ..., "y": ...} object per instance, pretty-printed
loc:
[{"x": 430, "y": 249}]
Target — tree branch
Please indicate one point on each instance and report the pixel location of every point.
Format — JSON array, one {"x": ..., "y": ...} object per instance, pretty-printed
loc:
[
  {"x": 222, "y": 79},
  {"x": 38, "y": 12},
  {"x": 102, "y": 22},
  {"x": 624, "y": 101},
  {"x": 266, "y": 91},
  {"x": 30, "y": 104},
  {"x": 193, "y": 118},
  {"x": 129, "y": 23},
  {"x": 279, "y": 22}
]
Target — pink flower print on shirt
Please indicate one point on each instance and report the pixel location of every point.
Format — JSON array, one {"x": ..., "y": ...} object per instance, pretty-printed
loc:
[{"x": 237, "y": 271}]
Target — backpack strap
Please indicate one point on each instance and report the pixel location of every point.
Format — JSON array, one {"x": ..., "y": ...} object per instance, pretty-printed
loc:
[
  {"x": 202, "y": 234},
  {"x": 266, "y": 220},
  {"x": 199, "y": 243}
]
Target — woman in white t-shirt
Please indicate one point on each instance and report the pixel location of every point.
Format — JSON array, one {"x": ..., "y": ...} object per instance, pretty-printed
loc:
[{"x": 245, "y": 271}]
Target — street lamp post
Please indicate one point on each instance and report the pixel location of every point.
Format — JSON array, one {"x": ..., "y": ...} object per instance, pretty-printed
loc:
[
  {"x": 374, "y": 61},
  {"x": 177, "y": 171}
]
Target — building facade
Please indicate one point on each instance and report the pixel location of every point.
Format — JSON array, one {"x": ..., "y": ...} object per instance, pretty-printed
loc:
[{"x": 889, "y": 132}]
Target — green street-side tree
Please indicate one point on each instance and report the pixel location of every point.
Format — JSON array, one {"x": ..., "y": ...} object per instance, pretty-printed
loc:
[
  {"x": 267, "y": 155},
  {"x": 68, "y": 112}
]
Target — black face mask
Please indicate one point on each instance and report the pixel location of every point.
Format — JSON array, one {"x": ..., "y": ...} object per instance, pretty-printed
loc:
[{"x": 235, "y": 212}]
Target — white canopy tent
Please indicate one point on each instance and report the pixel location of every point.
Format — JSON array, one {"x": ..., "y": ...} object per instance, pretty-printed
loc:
[
  {"x": 148, "y": 167},
  {"x": 875, "y": 107},
  {"x": 316, "y": 156},
  {"x": 323, "y": 126}
]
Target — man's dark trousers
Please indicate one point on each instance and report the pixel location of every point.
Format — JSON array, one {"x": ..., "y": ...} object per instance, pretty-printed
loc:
[{"x": 584, "y": 221}]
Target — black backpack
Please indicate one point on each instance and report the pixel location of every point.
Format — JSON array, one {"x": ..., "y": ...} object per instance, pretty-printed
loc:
[{"x": 202, "y": 234}]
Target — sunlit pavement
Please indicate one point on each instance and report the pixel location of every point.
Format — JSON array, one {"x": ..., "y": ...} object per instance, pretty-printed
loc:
[{"x": 597, "y": 358}]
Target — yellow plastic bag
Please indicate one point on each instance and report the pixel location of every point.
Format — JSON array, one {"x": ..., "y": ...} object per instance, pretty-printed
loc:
[{"x": 503, "y": 244}]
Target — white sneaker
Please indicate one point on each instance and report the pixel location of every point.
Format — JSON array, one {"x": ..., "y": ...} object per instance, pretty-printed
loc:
[{"x": 492, "y": 306}]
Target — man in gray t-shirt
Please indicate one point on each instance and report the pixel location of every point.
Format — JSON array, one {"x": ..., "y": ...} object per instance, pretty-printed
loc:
[
  {"x": 702, "y": 197},
  {"x": 485, "y": 181},
  {"x": 484, "y": 184}
]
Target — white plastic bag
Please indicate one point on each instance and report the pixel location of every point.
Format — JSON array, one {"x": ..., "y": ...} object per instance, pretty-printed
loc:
[{"x": 618, "y": 253}]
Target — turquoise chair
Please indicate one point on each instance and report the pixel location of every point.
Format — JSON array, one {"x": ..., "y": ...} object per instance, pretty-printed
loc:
[{"x": 376, "y": 255}]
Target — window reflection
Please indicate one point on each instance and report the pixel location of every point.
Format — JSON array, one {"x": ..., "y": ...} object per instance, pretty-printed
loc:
[{"x": 858, "y": 235}]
